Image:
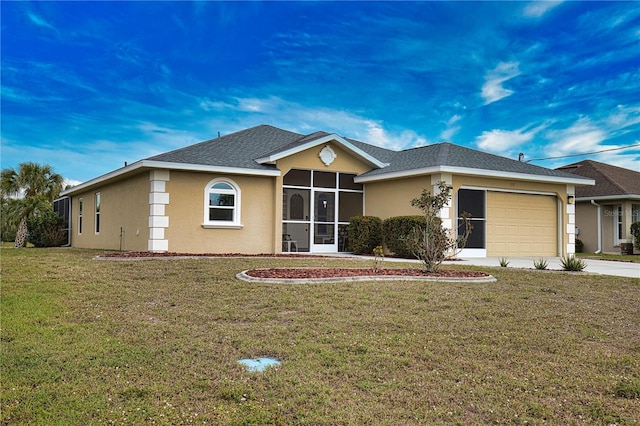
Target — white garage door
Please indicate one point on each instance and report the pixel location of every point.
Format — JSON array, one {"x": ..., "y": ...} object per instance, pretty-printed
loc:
[{"x": 521, "y": 224}]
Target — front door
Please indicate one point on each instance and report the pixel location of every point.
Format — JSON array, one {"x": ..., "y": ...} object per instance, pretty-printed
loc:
[{"x": 324, "y": 222}]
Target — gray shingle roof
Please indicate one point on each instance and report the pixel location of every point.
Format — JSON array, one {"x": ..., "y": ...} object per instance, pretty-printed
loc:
[
  {"x": 237, "y": 149},
  {"x": 241, "y": 149},
  {"x": 448, "y": 154},
  {"x": 610, "y": 180}
]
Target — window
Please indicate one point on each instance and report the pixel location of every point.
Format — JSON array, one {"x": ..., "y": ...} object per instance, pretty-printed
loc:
[
  {"x": 222, "y": 204},
  {"x": 97, "y": 199},
  {"x": 618, "y": 226},
  {"x": 473, "y": 202},
  {"x": 80, "y": 203}
]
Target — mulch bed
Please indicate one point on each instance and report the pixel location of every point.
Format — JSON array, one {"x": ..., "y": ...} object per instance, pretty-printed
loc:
[{"x": 307, "y": 273}]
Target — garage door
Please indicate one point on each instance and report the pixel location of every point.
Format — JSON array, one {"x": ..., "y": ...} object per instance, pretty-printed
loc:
[{"x": 521, "y": 224}]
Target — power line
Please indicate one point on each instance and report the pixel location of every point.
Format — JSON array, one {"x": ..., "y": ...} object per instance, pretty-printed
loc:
[{"x": 586, "y": 153}]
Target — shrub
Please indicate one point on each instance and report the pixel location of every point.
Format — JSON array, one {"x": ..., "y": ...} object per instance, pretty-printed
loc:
[
  {"x": 396, "y": 230},
  {"x": 635, "y": 231},
  {"x": 46, "y": 229},
  {"x": 504, "y": 262},
  {"x": 541, "y": 264},
  {"x": 433, "y": 242},
  {"x": 571, "y": 263},
  {"x": 579, "y": 246},
  {"x": 364, "y": 234}
]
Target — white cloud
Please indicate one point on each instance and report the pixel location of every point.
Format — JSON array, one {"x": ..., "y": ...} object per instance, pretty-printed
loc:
[
  {"x": 451, "y": 129},
  {"x": 492, "y": 89},
  {"x": 536, "y": 9},
  {"x": 305, "y": 119},
  {"x": 501, "y": 141},
  {"x": 583, "y": 136},
  {"x": 39, "y": 21}
]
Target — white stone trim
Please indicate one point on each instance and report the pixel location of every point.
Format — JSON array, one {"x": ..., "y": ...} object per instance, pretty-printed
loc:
[
  {"x": 157, "y": 233},
  {"x": 158, "y": 245},
  {"x": 156, "y": 210},
  {"x": 158, "y": 220}
]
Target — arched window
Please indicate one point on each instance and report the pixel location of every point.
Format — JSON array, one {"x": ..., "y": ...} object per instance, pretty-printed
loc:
[
  {"x": 221, "y": 203},
  {"x": 296, "y": 210}
]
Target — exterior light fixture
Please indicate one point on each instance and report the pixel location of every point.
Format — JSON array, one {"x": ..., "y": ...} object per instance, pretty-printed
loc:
[{"x": 571, "y": 199}]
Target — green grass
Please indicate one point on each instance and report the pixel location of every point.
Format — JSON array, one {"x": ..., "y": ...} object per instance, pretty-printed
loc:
[
  {"x": 157, "y": 342},
  {"x": 635, "y": 258}
]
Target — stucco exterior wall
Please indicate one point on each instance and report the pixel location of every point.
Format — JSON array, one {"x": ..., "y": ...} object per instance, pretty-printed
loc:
[
  {"x": 123, "y": 204},
  {"x": 390, "y": 198},
  {"x": 587, "y": 222},
  {"x": 185, "y": 233}
]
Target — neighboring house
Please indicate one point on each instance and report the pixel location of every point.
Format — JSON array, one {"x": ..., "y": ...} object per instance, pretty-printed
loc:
[
  {"x": 605, "y": 211},
  {"x": 265, "y": 190}
]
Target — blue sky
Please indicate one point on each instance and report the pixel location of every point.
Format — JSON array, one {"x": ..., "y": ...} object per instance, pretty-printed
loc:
[{"x": 87, "y": 86}]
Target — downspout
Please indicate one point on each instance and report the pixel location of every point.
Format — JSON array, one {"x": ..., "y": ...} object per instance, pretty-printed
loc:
[{"x": 599, "y": 228}]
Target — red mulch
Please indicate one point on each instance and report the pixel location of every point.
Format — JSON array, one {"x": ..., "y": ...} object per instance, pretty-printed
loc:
[{"x": 304, "y": 273}]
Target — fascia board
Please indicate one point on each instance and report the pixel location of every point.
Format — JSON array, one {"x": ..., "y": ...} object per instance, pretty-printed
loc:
[
  {"x": 610, "y": 197},
  {"x": 475, "y": 172},
  {"x": 332, "y": 137},
  {"x": 104, "y": 178},
  {"x": 149, "y": 164}
]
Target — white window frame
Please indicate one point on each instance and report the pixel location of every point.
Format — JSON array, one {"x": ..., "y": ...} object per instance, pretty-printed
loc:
[
  {"x": 80, "y": 212},
  {"x": 618, "y": 225},
  {"x": 235, "y": 222},
  {"x": 97, "y": 199}
]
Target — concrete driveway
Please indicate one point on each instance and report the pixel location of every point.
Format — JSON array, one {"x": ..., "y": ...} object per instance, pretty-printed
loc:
[{"x": 605, "y": 267}]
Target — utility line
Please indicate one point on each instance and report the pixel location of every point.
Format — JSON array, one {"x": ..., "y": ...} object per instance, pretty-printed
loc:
[{"x": 586, "y": 153}]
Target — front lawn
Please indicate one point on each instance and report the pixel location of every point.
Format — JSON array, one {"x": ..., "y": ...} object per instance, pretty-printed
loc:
[
  {"x": 88, "y": 341},
  {"x": 635, "y": 258}
]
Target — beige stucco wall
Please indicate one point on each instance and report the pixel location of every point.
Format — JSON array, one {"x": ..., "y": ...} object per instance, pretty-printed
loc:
[
  {"x": 185, "y": 233},
  {"x": 123, "y": 204},
  {"x": 587, "y": 222},
  {"x": 390, "y": 198}
]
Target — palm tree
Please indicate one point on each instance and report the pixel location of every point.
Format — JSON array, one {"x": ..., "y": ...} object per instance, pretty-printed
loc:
[{"x": 32, "y": 188}]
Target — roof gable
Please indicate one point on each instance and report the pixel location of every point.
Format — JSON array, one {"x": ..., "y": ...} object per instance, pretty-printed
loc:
[
  {"x": 610, "y": 180},
  {"x": 316, "y": 139}
]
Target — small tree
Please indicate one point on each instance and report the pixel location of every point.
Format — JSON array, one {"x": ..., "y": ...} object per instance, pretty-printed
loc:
[{"x": 433, "y": 242}]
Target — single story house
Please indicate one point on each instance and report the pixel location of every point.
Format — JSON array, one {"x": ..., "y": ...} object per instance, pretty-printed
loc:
[
  {"x": 268, "y": 190},
  {"x": 606, "y": 210}
]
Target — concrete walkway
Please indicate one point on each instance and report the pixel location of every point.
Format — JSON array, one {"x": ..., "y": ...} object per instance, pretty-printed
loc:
[{"x": 604, "y": 267}]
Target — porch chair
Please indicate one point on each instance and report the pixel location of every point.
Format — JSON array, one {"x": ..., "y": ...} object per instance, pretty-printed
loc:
[{"x": 288, "y": 243}]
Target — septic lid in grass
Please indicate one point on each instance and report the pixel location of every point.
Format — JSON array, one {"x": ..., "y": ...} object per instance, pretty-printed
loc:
[{"x": 259, "y": 364}]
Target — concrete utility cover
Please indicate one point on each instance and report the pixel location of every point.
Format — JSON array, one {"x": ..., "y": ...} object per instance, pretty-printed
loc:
[{"x": 259, "y": 364}]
